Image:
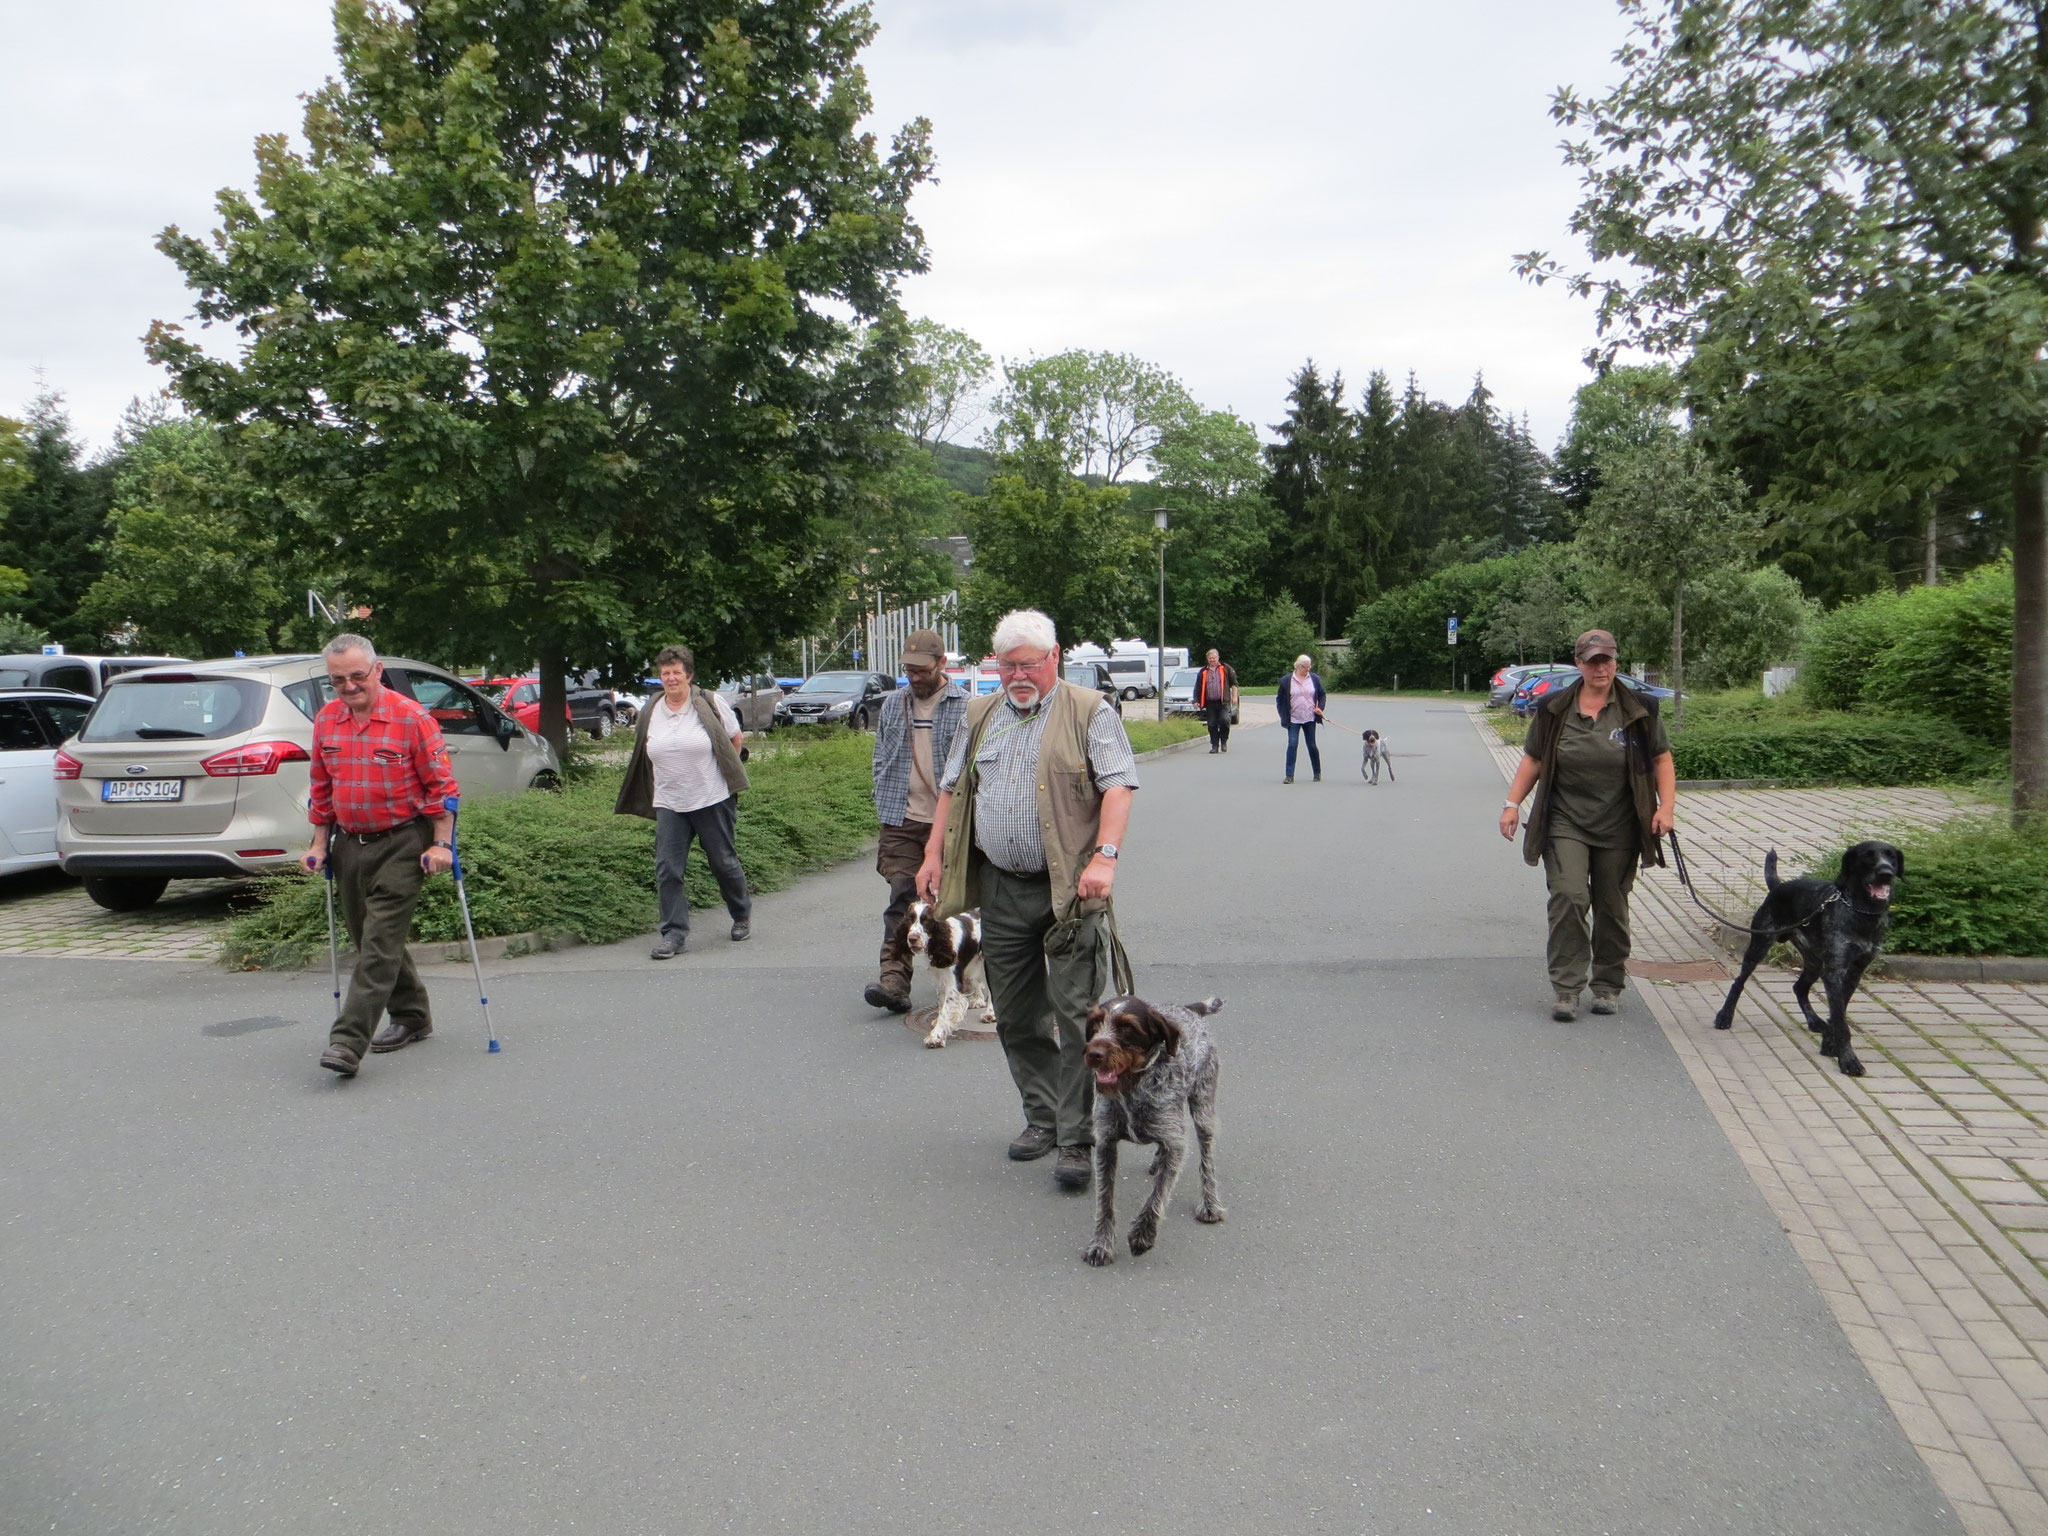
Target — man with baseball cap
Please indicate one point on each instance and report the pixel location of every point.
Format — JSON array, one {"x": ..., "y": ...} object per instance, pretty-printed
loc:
[{"x": 913, "y": 734}]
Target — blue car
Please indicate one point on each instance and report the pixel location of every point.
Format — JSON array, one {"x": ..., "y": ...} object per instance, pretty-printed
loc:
[{"x": 1538, "y": 686}]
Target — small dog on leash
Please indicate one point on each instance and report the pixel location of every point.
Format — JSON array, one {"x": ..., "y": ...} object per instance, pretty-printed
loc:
[
  {"x": 1155, "y": 1068},
  {"x": 1376, "y": 757},
  {"x": 1838, "y": 927},
  {"x": 952, "y": 947}
]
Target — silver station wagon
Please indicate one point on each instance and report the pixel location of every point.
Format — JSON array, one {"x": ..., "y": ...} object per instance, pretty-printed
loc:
[{"x": 202, "y": 770}]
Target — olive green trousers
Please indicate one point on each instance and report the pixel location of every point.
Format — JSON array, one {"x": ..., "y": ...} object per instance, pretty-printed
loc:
[
  {"x": 1589, "y": 889},
  {"x": 376, "y": 885}
]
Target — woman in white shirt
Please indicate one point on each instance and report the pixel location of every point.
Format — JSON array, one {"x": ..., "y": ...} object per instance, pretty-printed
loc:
[{"x": 685, "y": 775}]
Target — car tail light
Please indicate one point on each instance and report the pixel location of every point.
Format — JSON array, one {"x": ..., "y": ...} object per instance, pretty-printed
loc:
[
  {"x": 257, "y": 757},
  {"x": 65, "y": 766},
  {"x": 1542, "y": 687}
]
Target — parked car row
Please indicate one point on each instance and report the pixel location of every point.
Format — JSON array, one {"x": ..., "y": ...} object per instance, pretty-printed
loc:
[
  {"x": 1534, "y": 684},
  {"x": 191, "y": 770}
]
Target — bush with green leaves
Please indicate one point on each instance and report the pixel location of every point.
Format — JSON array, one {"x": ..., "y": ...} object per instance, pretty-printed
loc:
[
  {"x": 1832, "y": 748},
  {"x": 565, "y": 864},
  {"x": 1942, "y": 652},
  {"x": 1276, "y": 637},
  {"x": 1973, "y": 887}
]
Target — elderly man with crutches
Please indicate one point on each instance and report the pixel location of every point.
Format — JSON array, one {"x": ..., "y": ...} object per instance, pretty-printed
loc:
[{"x": 381, "y": 824}]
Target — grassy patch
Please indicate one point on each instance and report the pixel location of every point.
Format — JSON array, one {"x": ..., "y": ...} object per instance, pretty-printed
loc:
[
  {"x": 1972, "y": 887},
  {"x": 1151, "y": 735},
  {"x": 564, "y": 863},
  {"x": 1511, "y": 728}
]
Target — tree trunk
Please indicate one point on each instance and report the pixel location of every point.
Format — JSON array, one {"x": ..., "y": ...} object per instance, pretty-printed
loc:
[
  {"x": 1933, "y": 573},
  {"x": 1678, "y": 655},
  {"x": 554, "y": 706},
  {"x": 2029, "y": 635}
]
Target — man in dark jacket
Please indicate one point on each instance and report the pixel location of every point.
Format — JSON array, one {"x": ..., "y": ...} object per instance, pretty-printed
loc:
[
  {"x": 913, "y": 734},
  {"x": 1216, "y": 697}
]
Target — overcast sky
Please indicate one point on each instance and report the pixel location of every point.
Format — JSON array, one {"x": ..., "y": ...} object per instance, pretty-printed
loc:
[{"x": 1222, "y": 189}]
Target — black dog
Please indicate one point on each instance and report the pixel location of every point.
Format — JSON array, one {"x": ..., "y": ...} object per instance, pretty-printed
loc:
[{"x": 1838, "y": 926}]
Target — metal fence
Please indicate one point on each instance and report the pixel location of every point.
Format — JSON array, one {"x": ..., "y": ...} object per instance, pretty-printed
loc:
[{"x": 888, "y": 631}]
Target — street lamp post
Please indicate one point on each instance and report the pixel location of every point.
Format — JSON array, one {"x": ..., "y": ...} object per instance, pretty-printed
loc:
[{"x": 1159, "y": 521}]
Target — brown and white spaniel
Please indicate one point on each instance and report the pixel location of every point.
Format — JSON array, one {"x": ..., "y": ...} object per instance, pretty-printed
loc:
[{"x": 952, "y": 947}]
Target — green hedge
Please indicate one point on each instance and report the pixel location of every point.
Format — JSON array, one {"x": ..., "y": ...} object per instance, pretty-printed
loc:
[
  {"x": 1973, "y": 887},
  {"x": 1832, "y": 748},
  {"x": 1944, "y": 653},
  {"x": 564, "y": 863}
]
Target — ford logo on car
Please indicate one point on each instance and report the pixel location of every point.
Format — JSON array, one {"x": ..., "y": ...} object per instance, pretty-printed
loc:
[{"x": 136, "y": 770}]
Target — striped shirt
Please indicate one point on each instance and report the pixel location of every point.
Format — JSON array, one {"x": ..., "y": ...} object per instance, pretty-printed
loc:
[
  {"x": 376, "y": 774},
  {"x": 1006, "y": 778}
]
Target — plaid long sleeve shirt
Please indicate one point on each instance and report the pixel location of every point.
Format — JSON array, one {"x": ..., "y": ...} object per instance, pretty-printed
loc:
[{"x": 390, "y": 769}]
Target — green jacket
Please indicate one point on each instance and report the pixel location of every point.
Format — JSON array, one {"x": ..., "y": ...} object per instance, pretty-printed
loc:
[
  {"x": 636, "y": 791},
  {"x": 1069, "y": 804},
  {"x": 1636, "y": 715}
]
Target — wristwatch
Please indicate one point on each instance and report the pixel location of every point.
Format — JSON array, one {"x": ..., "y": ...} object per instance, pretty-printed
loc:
[
  {"x": 1107, "y": 850},
  {"x": 439, "y": 844}
]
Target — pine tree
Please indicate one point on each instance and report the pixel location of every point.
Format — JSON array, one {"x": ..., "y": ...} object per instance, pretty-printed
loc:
[{"x": 54, "y": 524}]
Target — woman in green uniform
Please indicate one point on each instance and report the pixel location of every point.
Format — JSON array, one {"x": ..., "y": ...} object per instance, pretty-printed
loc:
[{"x": 1606, "y": 793}]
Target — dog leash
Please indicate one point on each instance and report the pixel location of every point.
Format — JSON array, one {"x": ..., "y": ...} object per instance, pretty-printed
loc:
[{"x": 1685, "y": 879}]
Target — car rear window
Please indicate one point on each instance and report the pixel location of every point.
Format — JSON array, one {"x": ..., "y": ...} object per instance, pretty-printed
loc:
[
  {"x": 307, "y": 697},
  {"x": 175, "y": 709}
]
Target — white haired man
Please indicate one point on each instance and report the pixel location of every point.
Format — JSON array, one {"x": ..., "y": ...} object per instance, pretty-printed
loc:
[
  {"x": 378, "y": 804},
  {"x": 1032, "y": 806}
]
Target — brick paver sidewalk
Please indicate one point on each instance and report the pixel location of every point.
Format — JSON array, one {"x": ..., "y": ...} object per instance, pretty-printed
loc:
[
  {"x": 1917, "y": 1196},
  {"x": 49, "y": 915}
]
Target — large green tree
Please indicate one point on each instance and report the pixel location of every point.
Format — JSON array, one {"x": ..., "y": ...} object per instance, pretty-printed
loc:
[
  {"x": 1211, "y": 481},
  {"x": 949, "y": 369},
  {"x": 1102, "y": 412},
  {"x": 1312, "y": 478},
  {"x": 1844, "y": 192},
  {"x": 50, "y": 528},
  {"x": 1666, "y": 517},
  {"x": 1046, "y": 540},
  {"x": 575, "y": 325},
  {"x": 191, "y": 560}
]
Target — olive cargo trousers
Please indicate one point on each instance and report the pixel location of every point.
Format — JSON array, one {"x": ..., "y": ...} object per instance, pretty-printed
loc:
[
  {"x": 1032, "y": 990},
  {"x": 377, "y": 884},
  {"x": 1587, "y": 882}
]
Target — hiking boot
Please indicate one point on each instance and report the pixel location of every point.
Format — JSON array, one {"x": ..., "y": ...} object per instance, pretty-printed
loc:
[
  {"x": 1606, "y": 1002},
  {"x": 340, "y": 1058},
  {"x": 1035, "y": 1142},
  {"x": 396, "y": 1036},
  {"x": 741, "y": 929},
  {"x": 667, "y": 949},
  {"x": 1074, "y": 1168},
  {"x": 1567, "y": 1007},
  {"x": 1288, "y": 780},
  {"x": 879, "y": 996}
]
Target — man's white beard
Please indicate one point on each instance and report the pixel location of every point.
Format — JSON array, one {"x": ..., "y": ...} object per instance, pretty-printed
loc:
[{"x": 1024, "y": 695}]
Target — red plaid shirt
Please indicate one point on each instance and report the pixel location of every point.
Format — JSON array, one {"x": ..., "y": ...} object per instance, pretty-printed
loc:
[{"x": 393, "y": 768}]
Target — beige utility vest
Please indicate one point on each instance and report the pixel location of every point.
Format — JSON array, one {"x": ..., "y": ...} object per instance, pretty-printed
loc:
[{"x": 1069, "y": 804}]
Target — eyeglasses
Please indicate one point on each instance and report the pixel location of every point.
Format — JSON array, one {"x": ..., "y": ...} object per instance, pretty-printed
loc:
[
  {"x": 1014, "y": 667},
  {"x": 338, "y": 678}
]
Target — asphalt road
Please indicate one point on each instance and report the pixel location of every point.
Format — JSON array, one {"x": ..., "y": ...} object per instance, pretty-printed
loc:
[{"x": 714, "y": 1247}]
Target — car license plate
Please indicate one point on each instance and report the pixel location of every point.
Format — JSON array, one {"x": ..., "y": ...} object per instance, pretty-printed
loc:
[{"x": 142, "y": 789}]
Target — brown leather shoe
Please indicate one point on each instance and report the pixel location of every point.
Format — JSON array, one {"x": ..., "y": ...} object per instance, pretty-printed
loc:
[
  {"x": 1567, "y": 1007},
  {"x": 340, "y": 1058},
  {"x": 1606, "y": 1002},
  {"x": 395, "y": 1036},
  {"x": 1074, "y": 1168},
  {"x": 1035, "y": 1142}
]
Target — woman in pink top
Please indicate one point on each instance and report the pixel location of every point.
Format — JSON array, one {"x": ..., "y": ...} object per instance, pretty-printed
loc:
[{"x": 1301, "y": 701}]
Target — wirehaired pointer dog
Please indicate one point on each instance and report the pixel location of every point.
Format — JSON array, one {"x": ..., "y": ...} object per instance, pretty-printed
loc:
[
  {"x": 1153, "y": 1066},
  {"x": 1838, "y": 927},
  {"x": 952, "y": 947}
]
